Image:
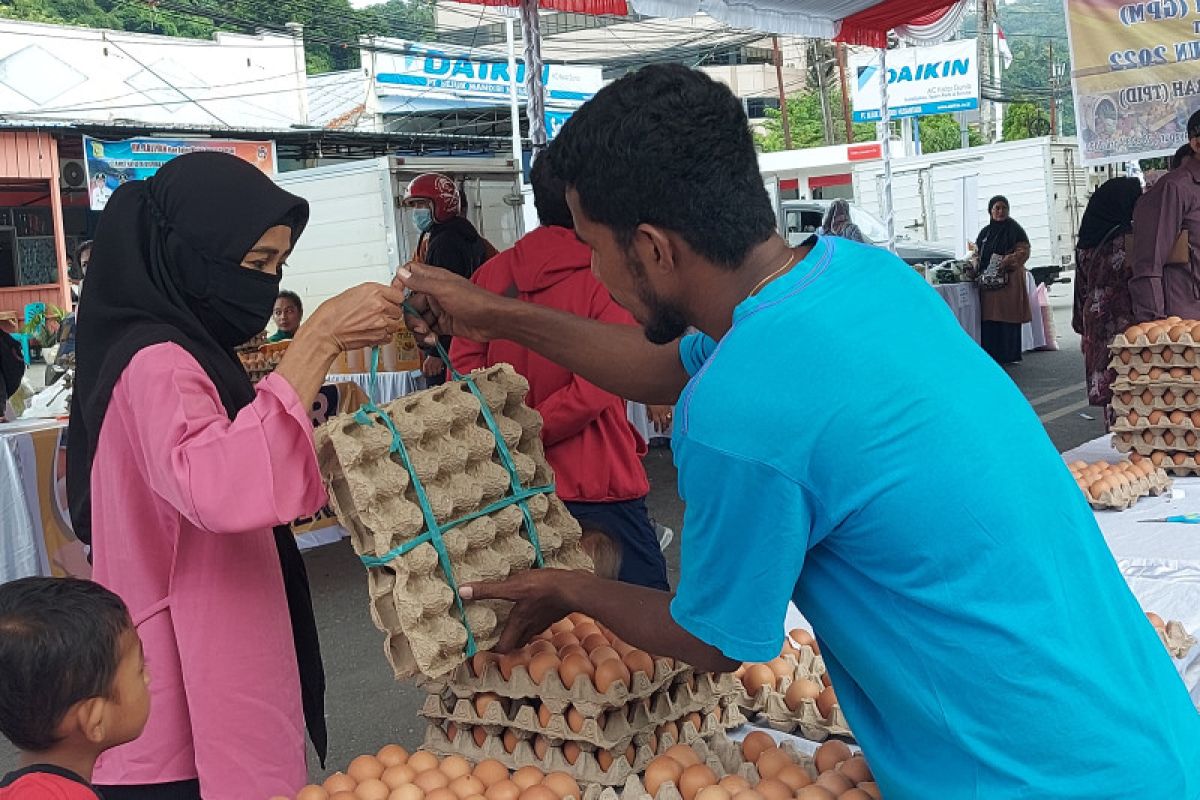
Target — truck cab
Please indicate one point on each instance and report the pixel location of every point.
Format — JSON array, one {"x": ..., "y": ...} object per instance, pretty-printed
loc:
[{"x": 802, "y": 218}]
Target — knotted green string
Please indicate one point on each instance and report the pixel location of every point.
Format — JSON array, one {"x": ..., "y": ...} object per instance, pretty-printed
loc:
[{"x": 370, "y": 413}]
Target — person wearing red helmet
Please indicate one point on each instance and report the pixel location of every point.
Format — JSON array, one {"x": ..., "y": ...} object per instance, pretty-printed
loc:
[{"x": 448, "y": 240}]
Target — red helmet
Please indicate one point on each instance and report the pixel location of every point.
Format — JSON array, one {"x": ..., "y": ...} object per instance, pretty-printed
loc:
[{"x": 438, "y": 189}]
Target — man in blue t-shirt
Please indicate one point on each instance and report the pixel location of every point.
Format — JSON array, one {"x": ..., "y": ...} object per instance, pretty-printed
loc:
[{"x": 879, "y": 470}]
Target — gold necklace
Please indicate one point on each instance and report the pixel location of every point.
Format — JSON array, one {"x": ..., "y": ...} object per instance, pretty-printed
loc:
[{"x": 790, "y": 260}]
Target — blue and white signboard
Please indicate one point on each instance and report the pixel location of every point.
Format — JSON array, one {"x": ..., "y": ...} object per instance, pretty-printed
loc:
[
  {"x": 554, "y": 121},
  {"x": 425, "y": 77},
  {"x": 921, "y": 80}
]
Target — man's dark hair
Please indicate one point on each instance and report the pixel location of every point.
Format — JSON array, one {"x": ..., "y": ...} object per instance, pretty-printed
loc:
[
  {"x": 1181, "y": 155},
  {"x": 286, "y": 294},
  {"x": 549, "y": 194},
  {"x": 59, "y": 644},
  {"x": 668, "y": 146}
]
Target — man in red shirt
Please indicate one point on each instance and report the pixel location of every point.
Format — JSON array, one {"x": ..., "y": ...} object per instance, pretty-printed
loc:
[{"x": 595, "y": 452}]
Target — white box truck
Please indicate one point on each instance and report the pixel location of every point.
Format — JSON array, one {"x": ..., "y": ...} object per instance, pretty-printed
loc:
[
  {"x": 943, "y": 197},
  {"x": 357, "y": 231}
]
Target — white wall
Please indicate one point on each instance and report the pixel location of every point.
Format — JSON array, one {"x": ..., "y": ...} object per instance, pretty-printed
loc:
[{"x": 74, "y": 73}]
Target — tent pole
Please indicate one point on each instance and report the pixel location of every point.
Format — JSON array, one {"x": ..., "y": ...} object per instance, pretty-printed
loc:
[{"x": 889, "y": 211}]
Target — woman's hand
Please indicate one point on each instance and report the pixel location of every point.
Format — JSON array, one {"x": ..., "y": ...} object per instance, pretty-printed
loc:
[
  {"x": 433, "y": 367},
  {"x": 364, "y": 316},
  {"x": 661, "y": 417}
]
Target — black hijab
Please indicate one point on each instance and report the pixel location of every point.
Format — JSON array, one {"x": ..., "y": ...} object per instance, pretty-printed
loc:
[
  {"x": 163, "y": 256},
  {"x": 998, "y": 238},
  {"x": 1109, "y": 212}
]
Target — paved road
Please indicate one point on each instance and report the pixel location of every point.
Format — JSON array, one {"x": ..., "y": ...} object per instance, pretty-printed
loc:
[{"x": 367, "y": 708}]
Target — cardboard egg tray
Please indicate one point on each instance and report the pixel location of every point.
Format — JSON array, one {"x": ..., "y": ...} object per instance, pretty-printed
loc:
[
  {"x": 1154, "y": 441},
  {"x": 722, "y": 756},
  {"x": 551, "y": 692},
  {"x": 1124, "y": 497},
  {"x": 1177, "y": 640},
  {"x": 769, "y": 704},
  {"x": 1163, "y": 357},
  {"x": 1142, "y": 375},
  {"x": 453, "y": 454},
  {"x": 608, "y": 730},
  {"x": 1147, "y": 398},
  {"x": 1178, "y": 464},
  {"x": 1187, "y": 337},
  {"x": 586, "y": 768},
  {"x": 1135, "y": 421}
]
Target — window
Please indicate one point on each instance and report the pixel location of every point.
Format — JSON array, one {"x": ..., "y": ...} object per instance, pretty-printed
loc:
[{"x": 756, "y": 107}]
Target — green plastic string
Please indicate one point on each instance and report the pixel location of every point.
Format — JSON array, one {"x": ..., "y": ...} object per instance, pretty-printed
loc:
[{"x": 370, "y": 414}]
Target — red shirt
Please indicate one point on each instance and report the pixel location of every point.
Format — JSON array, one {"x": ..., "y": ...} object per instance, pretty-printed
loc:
[
  {"x": 45, "y": 782},
  {"x": 594, "y": 451}
]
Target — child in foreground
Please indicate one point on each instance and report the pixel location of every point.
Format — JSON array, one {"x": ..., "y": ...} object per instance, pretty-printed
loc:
[{"x": 73, "y": 684}]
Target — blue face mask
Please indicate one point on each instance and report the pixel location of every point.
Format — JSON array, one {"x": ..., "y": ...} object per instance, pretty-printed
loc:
[{"x": 422, "y": 218}]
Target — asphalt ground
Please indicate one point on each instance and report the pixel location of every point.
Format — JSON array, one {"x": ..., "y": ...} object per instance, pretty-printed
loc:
[{"x": 367, "y": 708}]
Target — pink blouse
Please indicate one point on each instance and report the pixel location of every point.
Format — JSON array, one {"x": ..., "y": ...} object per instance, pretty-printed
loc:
[{"x": 183, "y": 502}]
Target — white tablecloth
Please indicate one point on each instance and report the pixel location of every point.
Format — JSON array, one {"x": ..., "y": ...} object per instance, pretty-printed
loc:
[
  {"x": 391, "y": 384},
  {"x": 1160, "y": 561},
  {"x": 963, "y": 299}
]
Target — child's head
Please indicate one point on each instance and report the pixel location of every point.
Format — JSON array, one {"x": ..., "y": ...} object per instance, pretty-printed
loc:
[
  {"x": 71, "y": 666},
  {"x": 604, "y": 550}
]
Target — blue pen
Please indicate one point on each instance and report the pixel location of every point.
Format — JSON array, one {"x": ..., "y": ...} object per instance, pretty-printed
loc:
[{"x": 1186, "y": 519}]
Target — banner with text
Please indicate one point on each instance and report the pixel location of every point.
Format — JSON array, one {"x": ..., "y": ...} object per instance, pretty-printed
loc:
[
  {"x": 109, "y": 164},
  {"x": 1136, "y": 76},
  {"x": 921, "y": 80}
]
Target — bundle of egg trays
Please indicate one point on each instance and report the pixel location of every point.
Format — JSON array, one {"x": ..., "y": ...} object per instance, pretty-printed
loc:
[
  {"x": 1172, "y": 634},
  {"x": 1118, "y": 486},
  {"x": 576, "y": 699},
  {"x": 793, "y": 692},
  {"x": 1156, "y": 392},
  {"x": 453, "y": 453}
]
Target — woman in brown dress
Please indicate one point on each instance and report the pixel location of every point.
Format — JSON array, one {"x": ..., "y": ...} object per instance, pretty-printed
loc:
[{"x": 1003, "y": 310}]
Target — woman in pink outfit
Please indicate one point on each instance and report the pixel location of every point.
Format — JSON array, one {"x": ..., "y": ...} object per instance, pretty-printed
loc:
[{"x": 183, "y": 476}]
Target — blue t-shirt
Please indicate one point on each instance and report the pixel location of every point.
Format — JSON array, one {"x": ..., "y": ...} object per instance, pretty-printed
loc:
[{"x": 882, "y": 472}]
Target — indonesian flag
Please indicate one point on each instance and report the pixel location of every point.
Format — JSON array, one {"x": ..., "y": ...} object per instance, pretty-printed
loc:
[{"x": 1002, "y": 46}]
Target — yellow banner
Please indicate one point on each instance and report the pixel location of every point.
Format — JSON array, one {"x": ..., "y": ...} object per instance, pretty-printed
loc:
[{"x": 1136, "y": 76}]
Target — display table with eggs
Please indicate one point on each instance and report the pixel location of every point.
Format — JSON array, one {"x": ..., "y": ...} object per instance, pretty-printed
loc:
[
  {"x": 577, "y": 699},
  {"x": 439, "y": 488}
]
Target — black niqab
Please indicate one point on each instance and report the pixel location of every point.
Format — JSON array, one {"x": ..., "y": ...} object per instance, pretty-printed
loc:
[
  {"x": 1109, "y": 212},
  {"x": 159, "y": 253}
]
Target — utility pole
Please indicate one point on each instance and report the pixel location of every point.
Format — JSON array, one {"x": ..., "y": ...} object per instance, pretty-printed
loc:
[
  {"x": 816, "y": 54},
  {"x": 985, "y": 64},
  {"x": 1053, "y": 95},
  {"x": 783, "y": 109},
  {"x": 841, "y": 57}
]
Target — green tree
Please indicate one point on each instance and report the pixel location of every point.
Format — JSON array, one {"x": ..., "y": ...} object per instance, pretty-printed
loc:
[
  {"x": 1025, "y": 121},
  {"x": 807, "y": 127},
  {"x": 940, "y": 132}
]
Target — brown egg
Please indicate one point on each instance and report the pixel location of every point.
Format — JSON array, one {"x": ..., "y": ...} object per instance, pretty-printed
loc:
[
  {"x": 372, "y": 789},
  {"x": 573, "y": 649},
  {"x": 685, "y": 755},
  {"x": 526, "y": 777},
  {"x": 639, "y": 661},
  {"x": 801, "y": 689},
  {"x": 544, "y": 715},
  {"x": 594, "y": 641},
  {"x": 455, "y": 767},
  {"x": 794, "y": 776},
  {"x": 343, "y": 796},
  {"x": 490, "y": 772},
  {"x": 571, "y": 752},
  {"x": 610, "y": 673},
  {"x": 422, "y": 761},
  {"x": 562, "y": 785},
  {"x": 756, "y": 677},
  {"x": 539, "y": 792},
  {"x": 1179, "y": 459},
  {"x": 605, "y": 759},
  {"x": 541, "y": 747},
  {"x": 602, "y": 654},
  {"x": 510, "y": 740},
  {"x": 575, "y": 719},
  {"x": 574, "y": 667},
  {"x": 409, "y": 791},
  {"x": 1126, "y": 356},
  {"x": 561, "y": 640},
  {"x": 771, "y": 762},
  {"x": 830, "y": 754},
  {"x": 714, "y": 793},
  {"x": 755, "y": 744},
  {"x": 587, "y": 629},
  {"x": 696, "y": 721},
  {"x": 1155, "y": 620},
  {"x": 312, "y": 792},
  {"x": 834, "y": 781},
  {"x": 397, "y": 776},
  {"x": 668, "y": 729},
  {"x": 855, "y": 768},
  {"x": 452, "y": 731},
  {"x": 542, "y": 664},
  {"x": 480, "y": 661},
  {"x": 748, "y": 794},
  {"x": 484, "y": 701},
  {"x": 503, "y": 790},
  {"x": 339, "y": 782},
  {"x": 441, "y": 794},
  {"x": 772, "y": 789},
  {"x": 364, "y": 768},
  {"x": 566, "y": 624},
  {"x": 872, "y": 790},
  {"x": 509, "y": 663},
  {"x": 1133, "y": 331},
  {"x": 479, "y": 735},
  {"x": 854, "y": 794},
  {"x": 431, "y": 779},
  {"x": 1157, "y": 458},
  {"x": 827, "y": 699},
  {"x": 782, "y": 669},
  {"x": 733, "y": 784},
  {"x": 695, "y": 778},
  {"x": 1169, "y": 396},
  {"x": 465, "y": 786},
  {"x": 659, "y": 771},
  {"x": 1134, "y": 375}
]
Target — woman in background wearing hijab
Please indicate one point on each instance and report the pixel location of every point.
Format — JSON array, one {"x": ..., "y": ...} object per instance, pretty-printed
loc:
[
  {"x": 1103, "y": 307},
  {"x": 837, "y": 222},
  {"x": 183, "y": 476},
  {"x": 1003, "y": 311}
]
